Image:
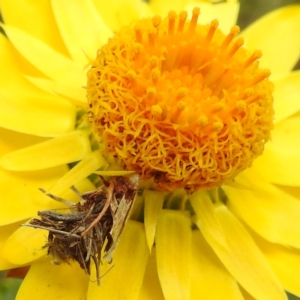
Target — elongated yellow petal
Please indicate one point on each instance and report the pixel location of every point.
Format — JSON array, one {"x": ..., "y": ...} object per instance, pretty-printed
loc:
[
  {"x": 114, "y": 15},
  {"x": 47, "y": 281},
  {"x": 153, "y": 205},
  {"x": 280, "y": 157},
  {"x": 20, "y": 197},
  {"x": 12, "y": 141},
  {"x": 130, "y": 258},
  {"x": 284, "y": 262},
  {"x": 13, "y": 83},
  {"x": 25, "y": 245},
  {"x": 5, "y": 232},
  {"x": 173, "y": 250},
  {"x": 242, "y": 258},
  {"x": 82, "y": 29},
  {"x": 51, "y": 63},
  {"x": 35, "y": 18},
  {"x": 280, "y": 43},
  {"x": 36, "y": 116},
  {"x": 286, "y": 95},
  {"x": 151, "y": 288},
  {"x": 226, "y": 13},
  {"x": 84, "y": 168},
  {"x": 75, "y": 94},
  {"x": 64, "y": 149},
  {"x": 162, "y": 7},
  {"x": 209, "y": 273},
  {"x": 269, "y": 211}
]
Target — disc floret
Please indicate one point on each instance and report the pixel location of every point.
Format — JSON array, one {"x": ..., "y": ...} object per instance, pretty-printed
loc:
[{"x": 180, "y": 102}]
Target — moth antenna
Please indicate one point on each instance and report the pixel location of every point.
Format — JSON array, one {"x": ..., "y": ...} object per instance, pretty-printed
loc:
[
  {"x": 76, "y": 191},
  {"x": 59, "y": 199}
]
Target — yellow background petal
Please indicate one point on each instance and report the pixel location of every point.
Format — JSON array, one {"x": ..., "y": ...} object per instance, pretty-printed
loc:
[
  {"x": 36, "y": 116},
  {"x": 284, "y": 261},
  {"x": 242, "y": 259},
  {"x": 151, "y": 288},
  {"x": 50, "y": 62},
  {"x": 82, "y": 29},
  {"x": 153, "y": 205},
  {"x": 64, "y": 149},
  {"x": 210, "y": 279},
  {"x": 226, "y": 13},
  {"x": 5, "y": 232},
  {"x": 12, "y": 140},
  {"x": 162, "y": 7},
  {"x": 84, "y": 168},
  {"x": 25, "y": 245},
  {"x": 173, "y": 252},
  {"x": 118, "y": 13},
  {"x": 35, "y": 18},
  {"x": 21, "y": 199},
  {"x": 286, "y": 96},
  {"x": 75, "y": 94},
  {"x": 277, "y": 36},
  {"x": 13, "y": 65},
  {"x": 270, "y": 212},
  {"x": 125, "y": 279},
  {"x": 281, "y": 159},
  {"x": 47, "y": 281}
]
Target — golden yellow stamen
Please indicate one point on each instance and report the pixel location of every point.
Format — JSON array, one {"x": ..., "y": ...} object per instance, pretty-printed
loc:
[{"x": 180, "y": 102}]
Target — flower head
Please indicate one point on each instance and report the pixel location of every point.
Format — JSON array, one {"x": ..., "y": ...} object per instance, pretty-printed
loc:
[{"x": 180, "y": 102}]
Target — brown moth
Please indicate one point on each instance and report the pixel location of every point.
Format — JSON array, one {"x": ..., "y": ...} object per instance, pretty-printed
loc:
[{"x": 95, "y": 222}]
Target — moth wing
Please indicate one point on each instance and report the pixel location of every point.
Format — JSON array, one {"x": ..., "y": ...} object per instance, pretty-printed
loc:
[{"x": 119, "y": 221}]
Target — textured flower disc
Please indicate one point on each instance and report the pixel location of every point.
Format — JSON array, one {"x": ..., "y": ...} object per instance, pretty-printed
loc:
[{"x": 180, "y": 102}]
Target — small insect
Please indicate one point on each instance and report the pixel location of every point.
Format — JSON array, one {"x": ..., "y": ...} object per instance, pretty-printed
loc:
[{"x": 95, "y": 222}]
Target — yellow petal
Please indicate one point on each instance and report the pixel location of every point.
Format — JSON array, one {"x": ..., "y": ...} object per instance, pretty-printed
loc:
[
  {"x": 75, "y": 94},
  {"x": 50, "y": 62},
  {"x": 84, "y": 168},
  {"x": 286, "y": 95},
  {"x": 47, "y": 281},
  {"x": 162, "y": 7},
  {"x": 269, "y": 211},
  {"x": 226, "y": 13},
  {"x": 130, "y": 258},
  {"x": 153, "y": 204},
  {"x": 242, "y": 258},
  {"x": 64, "y": 149},
  {"x": 282, "y": 154},
  {"x": 12, "y": 140},
  {"x": 82, "y": 29},
  {"x": 20, "y": 197},
  {"x": 151, "y": 288},
  {"x": 34, "y": 18},
  {"x": 5, "y": 232},
  {"x": 207, "y": 273},
  {"x": 280, "y": 43},
  {"x": 173, "y": 250},
  {"x": 25, "y": 245},
  {"x": 121, "y": 13},
  {"x": 11, "y": 75},
  {"x": 284, "y": 261},
  {"x": 33, "y": 115}
]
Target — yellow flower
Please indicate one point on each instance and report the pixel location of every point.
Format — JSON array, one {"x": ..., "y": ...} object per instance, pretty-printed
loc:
[{"x": 239, "y": 240}]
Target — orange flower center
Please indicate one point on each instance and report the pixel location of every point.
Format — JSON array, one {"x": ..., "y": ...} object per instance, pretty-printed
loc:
[{"x": 180, "y": 102}]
